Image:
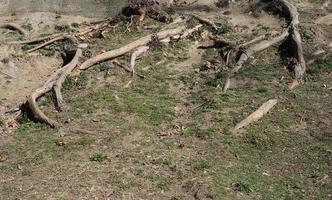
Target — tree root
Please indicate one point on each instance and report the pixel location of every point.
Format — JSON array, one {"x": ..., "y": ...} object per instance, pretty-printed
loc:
[
  {"x": 55, "y": 83},
  {"x": 137, "y": 53},
  {"x": 249, "y": 52},
  {"x": 129, "y": 47},
  {"x": 14, "y": 27},
  {"x": 205, "y": 21},
  {"x": 257, "y": 115},
  {"x": 298, "y": 62},
  {"x": 36, "y": 40},
  {"x": 126, "y": 68},
  {"x": 63, "y": 37}
]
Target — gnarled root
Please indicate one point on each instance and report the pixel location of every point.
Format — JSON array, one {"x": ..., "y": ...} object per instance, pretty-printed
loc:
[
  {"x": 249, "y": 52},
  {"x": 298, "y": 62},
  {"x": 14, "y": 27},
  {"x": 137, "y": 53},
  {"x": 129, "y": 47},
  {"x": 55, "y": 83}
]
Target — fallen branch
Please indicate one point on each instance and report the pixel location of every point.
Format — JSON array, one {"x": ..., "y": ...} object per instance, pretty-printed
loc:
[
  {"x": 54, "y": 80},
  {"x": 14, "y": 27},
  {"x": 257, "y": 115},
  {"x": 129, "y": 47}
]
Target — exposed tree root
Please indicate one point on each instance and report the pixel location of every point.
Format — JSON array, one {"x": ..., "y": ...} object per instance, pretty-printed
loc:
[
  {"x": 297, "y": 63},
  {"x": 36, "y": 40},
  {"x": 257, "y": 115},
  {"x": 126, "y": 68},
  {"x": 137, "y": 53},
  {"x": 55, "y": 83},
  {"x": 205, "y": 21},
  {"x": 14, "y": 27},
  {"x": 249, "y": 52},
  {"x": 129, "y": 47}
]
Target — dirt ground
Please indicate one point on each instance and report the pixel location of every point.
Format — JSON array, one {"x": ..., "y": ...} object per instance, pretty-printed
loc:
[{"x": 167, "y": 136}]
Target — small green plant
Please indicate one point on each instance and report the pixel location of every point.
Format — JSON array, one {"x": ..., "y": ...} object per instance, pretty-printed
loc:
[
  {"x": 242, "y": 187},
  {"x": 121, "y": 181},
  {"x": 162, "y": 161},
  {"x": 27, "y": 27},
  {"x": 63, "y": 28},
  {"x": 75, "y": 25},
  {"x": 2, "y": 121},
  {"x": 262, "y": 89},
  {"x": 202, "y": 164},
  {"x": 27, "y": 47},
  {"x": 164, "y": 182},
  {"x": 85, "y": 141},
  {"x": 98, "y": 157},
  {"x": 259, "y": 140}
]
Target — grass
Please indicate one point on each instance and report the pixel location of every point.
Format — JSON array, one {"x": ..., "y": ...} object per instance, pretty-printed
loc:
[{"x": 98, "y": 157}]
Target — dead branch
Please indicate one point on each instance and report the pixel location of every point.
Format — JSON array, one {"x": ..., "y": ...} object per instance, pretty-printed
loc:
[
  {"x": 257, "y": 115},
  {"x": 137, "y": 53},
  {"x": 14, "y": 27},
  {"x": 205, "y": 21},
  {"x": 56, "y": 78},
  {"x": 63, "y": 37},
  {"x": 129, "y": 47}
]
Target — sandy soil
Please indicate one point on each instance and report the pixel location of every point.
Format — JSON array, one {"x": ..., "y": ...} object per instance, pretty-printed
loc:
[{"x": 20, "y": 74}]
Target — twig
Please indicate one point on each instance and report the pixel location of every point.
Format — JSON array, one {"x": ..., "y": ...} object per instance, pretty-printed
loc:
[
  {"x": 63, "y": 37},
  {"x": 257, "y": 115}
]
